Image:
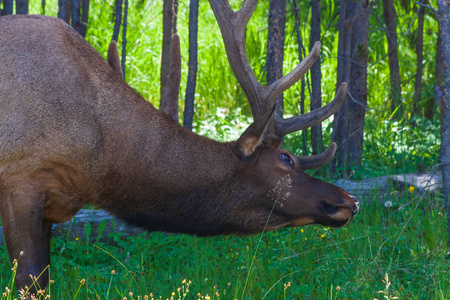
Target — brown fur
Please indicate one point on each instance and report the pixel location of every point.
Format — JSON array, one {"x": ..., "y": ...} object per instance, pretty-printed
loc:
[{"x": 73, "y": 132}]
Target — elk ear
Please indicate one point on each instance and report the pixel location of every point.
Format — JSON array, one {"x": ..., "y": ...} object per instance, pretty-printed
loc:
[
  {"x": 113, "y": 58},
  {"x": 256, "y": 134}
]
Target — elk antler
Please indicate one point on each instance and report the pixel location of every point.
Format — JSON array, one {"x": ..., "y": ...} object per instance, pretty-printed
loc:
[
  {"x": 232, "y": 26},
  {"x": 285, "y": 126},
  {"x": 315, "y": 161}
]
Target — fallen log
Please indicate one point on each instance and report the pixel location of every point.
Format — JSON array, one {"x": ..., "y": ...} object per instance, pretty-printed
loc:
[{"x": 368, "y": 189}]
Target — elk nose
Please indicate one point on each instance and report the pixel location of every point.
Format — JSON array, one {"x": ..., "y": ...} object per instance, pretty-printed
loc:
[{"x": 357, "y": 204}]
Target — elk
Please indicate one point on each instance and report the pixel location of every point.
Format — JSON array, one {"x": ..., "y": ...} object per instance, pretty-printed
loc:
[{"x": 73, "y": 132}]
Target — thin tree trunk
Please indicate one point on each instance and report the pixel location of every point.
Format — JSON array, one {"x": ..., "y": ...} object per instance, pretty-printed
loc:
[
  {"x": 438, "y": 84},
  {"x": 192, "y": 64},
  {"x": 444, "y": 30},
  {"x": 343, "y": 75},
  {"x": 76, "y": 15},
  {"x": 84, "y": 17},
  {"x": 301, "y": 50},
  {"x": 419, "y": 51},
  {"x": 275, "y": 47},
  {"x": 348, "y": 125},
  {"x": 22, "y": 7},
  {"x": 358, "y": 88},
  {"x": 169, "y": 29},
  {"x": 124, "y": 37},
  {"x": 64, "y": 8},
  {"x": 390, "y": 18},
  {"x": 7, "y": 7},
  {"x": 302, "y": 111},
  {"x": 118, "y": 20},
  {"x": 169, "y": 103},
  {"x": 316, "y": 78},
  {"x": 68, "y": 11}
]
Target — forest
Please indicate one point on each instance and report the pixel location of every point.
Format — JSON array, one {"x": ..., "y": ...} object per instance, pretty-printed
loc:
[
  {"x": 401, "y": 133},
  {"x": 390, "y": 54}
]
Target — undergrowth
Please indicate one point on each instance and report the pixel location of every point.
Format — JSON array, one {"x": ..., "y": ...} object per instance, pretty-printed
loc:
[{"x": 395, "y": 250}]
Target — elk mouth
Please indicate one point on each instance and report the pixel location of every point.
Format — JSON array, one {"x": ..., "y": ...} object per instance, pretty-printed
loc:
[
  {"x": 333, "y": 209},
  {"x": 342, "y": 213},
  {"x": 330, "y": 209}
]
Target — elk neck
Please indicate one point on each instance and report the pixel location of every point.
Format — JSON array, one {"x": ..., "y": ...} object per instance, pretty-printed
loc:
[{"x": 157, "y": 175}]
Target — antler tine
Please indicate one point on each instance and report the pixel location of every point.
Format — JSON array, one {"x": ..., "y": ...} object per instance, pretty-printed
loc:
[
  {"x": 316, "y": 161},
  {"x": 232, "y": 26},
  {"x": 246, "y": 12},
  {"x": 224, "y": 12},
  {"x": 271, "y": 92},
  {"x": 285, "y": 126}
]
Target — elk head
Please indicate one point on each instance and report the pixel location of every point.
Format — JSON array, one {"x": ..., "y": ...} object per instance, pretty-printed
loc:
[{"x": 301, "y": 199}]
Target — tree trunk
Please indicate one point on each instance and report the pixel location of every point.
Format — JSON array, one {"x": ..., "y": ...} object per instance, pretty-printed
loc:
[
  {"x": 438, "y": 78},
  {"x": 348, "y": 125},
  {"x": 22, "y": 7},
  {"x": 343, "y": 75},
  {"x": 64, "y": 8},
  {"x": 444, "y": 30},
  {"x": 390, "y": 18},
  {"x": 419, "y": 51},
  {"x": 118, "y": 20},
  {"x": 76, "y": 15},
  {"x": 316, "y": 78},
  {"x": 169, "y": 102},
  {"x": 358, "y": 88},
  {"x": 169, "y": 29},
  {"x": 84, "y": 17},
  {"x": 301, "y": 49},
  {"x": 7, "y": 7},
  {"x": 275, "y": 47},
  {"x": 124, "y": 37},
  {"x": 192, "y": 64}
]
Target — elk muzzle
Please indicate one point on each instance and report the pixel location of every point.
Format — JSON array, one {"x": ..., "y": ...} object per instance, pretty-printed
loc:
[{"x": 341, "y": 212}]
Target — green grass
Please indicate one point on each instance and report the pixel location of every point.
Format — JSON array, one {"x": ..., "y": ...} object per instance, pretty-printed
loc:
[
  {"x": 405, "y": 242},
  {"x": 384, "y": 253}
]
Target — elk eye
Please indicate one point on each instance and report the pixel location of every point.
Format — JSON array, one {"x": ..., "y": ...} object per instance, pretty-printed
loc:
[{"x": 286, "y": 158}]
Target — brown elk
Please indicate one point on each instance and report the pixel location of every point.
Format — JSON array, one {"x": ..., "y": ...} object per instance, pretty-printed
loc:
[{"x": 73, "y": 132}]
